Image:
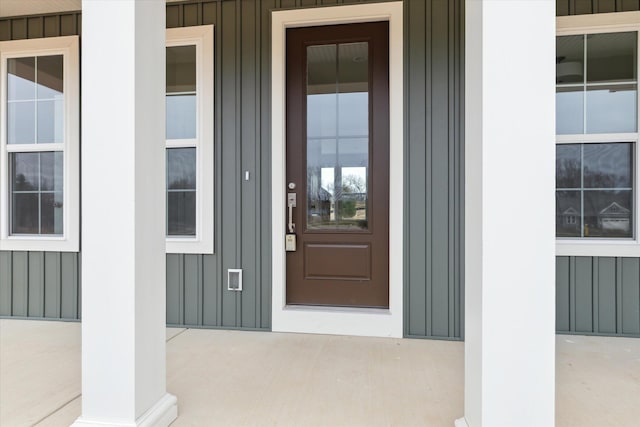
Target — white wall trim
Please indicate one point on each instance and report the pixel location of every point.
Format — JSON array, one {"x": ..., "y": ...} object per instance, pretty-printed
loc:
[
  {"x": 597, "y": 23},
  {"x": 202, "y": 37},
  {"x": 339, "y": 321},
  {"x": 67, "y": 46}
]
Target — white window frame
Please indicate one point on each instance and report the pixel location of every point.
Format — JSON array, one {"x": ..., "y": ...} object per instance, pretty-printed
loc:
[
  {"x": 69, "y": 241},
  {"x": 593, "y": 24},
  {"x": 202, "y": 38}
]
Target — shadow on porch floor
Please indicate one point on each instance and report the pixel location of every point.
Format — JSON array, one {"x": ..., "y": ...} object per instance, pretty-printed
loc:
[{"x": 231, "y": 378}]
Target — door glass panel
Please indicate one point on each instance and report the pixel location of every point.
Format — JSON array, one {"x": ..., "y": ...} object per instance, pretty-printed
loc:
[{"x": 337, "y": 136}]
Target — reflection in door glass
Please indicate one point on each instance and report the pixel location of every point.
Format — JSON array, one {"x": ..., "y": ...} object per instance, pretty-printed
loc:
[{"x": 337, "y": 136}]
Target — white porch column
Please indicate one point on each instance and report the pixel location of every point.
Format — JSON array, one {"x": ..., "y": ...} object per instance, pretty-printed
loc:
[
  {"x": 509, "y": 225},
  {"x": 123, "y": 220}
]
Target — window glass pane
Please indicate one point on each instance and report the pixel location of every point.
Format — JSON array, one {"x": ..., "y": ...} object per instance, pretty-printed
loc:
[
  {"x": 568, "y": 165},
  {"x": 51, "y": 171},
  {"x": 21, "y": 79},
  {"x": 569, "y": 59},
  {"x": 21, "y": 119},
  {"x": 24, "y": 213},
  {"x": 612, "y": 57},
  {"x": 50, "y": 121},
  {"x": 181, "y": 216},
  {"x": 181, "y": 168},
  {"x": 608, "y": 165},
  {"x": 50, "y": 77},
  {"x": 181, "y": 69},
  {"x": 608, "y": 213},
  {"x": 36, "y": 193},
  {"x": 611, "y": 109},
  {"x": 569, "y": 110},
  {"x": 181, "y": 192},
  {"x": 51, "y": 219},
  {"x": 568, "y": 214},
  {"x": 25, "y": 171},
  {"x": 181, "y": 93},
  {"x": 181, "y": 116}
]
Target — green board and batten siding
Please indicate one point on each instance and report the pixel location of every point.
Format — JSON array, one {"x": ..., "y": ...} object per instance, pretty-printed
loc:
[
  {"x": 196, "y": 284},
  {"x": 597, "y": 295},
  {"x": 434, "y": 165}
]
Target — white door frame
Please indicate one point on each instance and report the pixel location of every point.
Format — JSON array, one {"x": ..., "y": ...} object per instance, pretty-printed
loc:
[{"x": 338, "y": 320}]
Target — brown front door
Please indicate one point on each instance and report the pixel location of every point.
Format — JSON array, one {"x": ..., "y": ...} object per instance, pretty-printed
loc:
[{"x": 338, "y": 164}]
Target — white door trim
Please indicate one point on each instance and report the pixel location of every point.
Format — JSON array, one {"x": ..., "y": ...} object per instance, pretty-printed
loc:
[{"x": 323, "y": 320}]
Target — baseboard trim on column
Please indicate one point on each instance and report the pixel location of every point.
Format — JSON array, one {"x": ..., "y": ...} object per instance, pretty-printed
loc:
[
  {"x": 461, "y": 422},
  {"x": 162, "y": 414}
]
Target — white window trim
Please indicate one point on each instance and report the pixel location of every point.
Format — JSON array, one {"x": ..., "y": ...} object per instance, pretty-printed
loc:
[
  {"x": 338, "y": 320},
  {"x": 202, "y": 38},
  {"x": 67, "y": 46},
  {"x": 590, "y": 24}
]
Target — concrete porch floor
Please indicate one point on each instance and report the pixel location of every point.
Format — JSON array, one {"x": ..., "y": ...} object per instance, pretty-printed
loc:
[{"x": 233, "y": 378}]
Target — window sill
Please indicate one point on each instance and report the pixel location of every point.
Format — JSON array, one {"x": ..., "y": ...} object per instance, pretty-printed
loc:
[
  {"x": 177, "y": 245},
  {"x": 39, "y": 244},
  {"x": 601, "y": 248}
]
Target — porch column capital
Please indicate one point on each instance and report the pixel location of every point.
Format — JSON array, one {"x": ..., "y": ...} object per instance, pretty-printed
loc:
[{"x": 123, "y": 224}]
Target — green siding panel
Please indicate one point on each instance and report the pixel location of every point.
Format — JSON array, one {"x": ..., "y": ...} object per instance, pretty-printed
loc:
[
  {"x": 606, "y": 280},
  {"x": 20, "y": 285},
  {"x": 6, "y": 280},
  {"x": 52, "y": 285},
  {"x": 174, "y": 289},
  {"x": 562, "y": 294},
  {"x": 192, "y": 289},
  {"x": 433, "y": 153},
  {"x": 39, "y": 285},
  {"x": 630, "y": 277},
  {"x": 70, "y": 286},
  {"x": 630, "y": 5},
  {"x": 35, "y": 27},
  {"x": 584, "y": 294},
  {"x": 19, "y": 29},
  {"x": 598, "y": 295},
  {"x": 581, "y": 7},
  {"x": 36, "y": 284},
  {"x": 418, "y": 290}
]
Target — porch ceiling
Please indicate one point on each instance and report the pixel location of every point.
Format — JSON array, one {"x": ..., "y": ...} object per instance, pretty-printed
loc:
[{"x": 35, "y": 7}]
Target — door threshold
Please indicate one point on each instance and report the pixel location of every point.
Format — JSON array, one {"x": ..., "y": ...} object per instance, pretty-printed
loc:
[
  {"x": 337, "y": 309},
  {"x": 328, "y": 320}
]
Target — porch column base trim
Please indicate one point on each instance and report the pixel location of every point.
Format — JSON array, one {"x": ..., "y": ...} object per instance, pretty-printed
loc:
[
  {"x": 162, "y": 414},
  {"x": 461, "y": 422}
]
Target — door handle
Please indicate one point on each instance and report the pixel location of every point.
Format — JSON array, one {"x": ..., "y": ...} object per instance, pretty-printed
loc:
[{"x": 291, "y": 203}]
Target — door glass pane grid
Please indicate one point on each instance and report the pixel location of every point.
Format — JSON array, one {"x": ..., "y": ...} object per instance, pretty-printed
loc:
[
  {"x": 597, "y": 83},
  {"x": 594, "y": 190},
  {"x": 36, "y": 193},
  {"x": 35, "y": 100},
  {"x": 337, "y": 136}
]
